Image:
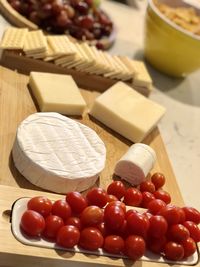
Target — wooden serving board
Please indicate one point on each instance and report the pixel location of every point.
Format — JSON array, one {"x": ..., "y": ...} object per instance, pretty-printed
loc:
[
  {"x": 25, "y": 65},
  {"x": 16, "y": 104}
]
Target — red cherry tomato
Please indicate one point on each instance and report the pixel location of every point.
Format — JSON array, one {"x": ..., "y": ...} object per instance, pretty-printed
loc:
[
  {"x": 163, "y": 195},
  {"x": 134, "y": 247},
  {"x": 191, "y": 214},
  {"x": 133, "y": 197},
  {"x": 52, "y": 225},
  {"x": 156, "y": 245},
  {"x": 91, "y": 238},
  {"x": 62, "y": 209},
  {"x": 111, "y": 198},
  {"x": 75, "y": 221},
  {"x": 116, "y": 188},
  {"x": 129, "y": 212},
  {"x": 138, "y": 224},
  {"x": 178, "y": 233},
  {"x": 157, "y": 226},
  {"x": 40, "y": 204},
  {"x": 103, "y": 229},
  {"x": 32, "y": 223},
  {"x": 171, "y": 214},
  {"x": 91, "y": 216},
  {"x": 123, "y": 231},
  {"x": 155, "y": 206},
  {"x": 114, "y": 217},
  {"x": 174, "y": 251},
  {"x": 193, "y": 229},
  {"x": 182, "y": 215},
  {"x": 76, "y": 201},
  {"x": 189, "y": 247},
  {"x": 147, "y": 197},
  {"x": 147, "y": 186},
  {"x": 116, "y": 203},
  {"x": 68, "y": 236},
  {"x": 114, "y": 244},
  {"x": 158, "y": 179},
  {"x": 97, "y": 196}
]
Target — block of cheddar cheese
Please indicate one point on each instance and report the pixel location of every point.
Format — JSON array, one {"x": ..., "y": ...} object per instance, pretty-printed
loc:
[
  {"x": 56, "y": 93},
  {"x": 127, "y": 112}
]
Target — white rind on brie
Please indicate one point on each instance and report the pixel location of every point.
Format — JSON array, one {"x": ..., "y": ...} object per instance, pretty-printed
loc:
[{"x": 57, "y": 153}]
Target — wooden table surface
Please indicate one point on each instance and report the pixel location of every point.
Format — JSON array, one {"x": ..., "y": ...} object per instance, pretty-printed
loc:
[{"x": 16, "y": 103}]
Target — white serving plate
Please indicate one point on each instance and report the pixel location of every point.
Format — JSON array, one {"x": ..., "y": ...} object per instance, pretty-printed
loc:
[{"x": 19, "y": 208}]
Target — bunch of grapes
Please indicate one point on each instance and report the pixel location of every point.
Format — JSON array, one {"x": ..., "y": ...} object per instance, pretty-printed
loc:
[{"x": 82, "y": 19}]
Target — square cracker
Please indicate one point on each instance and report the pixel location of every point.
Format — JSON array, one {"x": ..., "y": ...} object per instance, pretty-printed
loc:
[{"x": 13, "y": 38}]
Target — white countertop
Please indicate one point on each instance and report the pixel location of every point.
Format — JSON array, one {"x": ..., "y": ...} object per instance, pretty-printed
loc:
[{"x": 180, "y": 127}]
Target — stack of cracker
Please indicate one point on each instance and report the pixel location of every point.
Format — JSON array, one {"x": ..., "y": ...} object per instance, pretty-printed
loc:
[{"x": 68, "y": 54}]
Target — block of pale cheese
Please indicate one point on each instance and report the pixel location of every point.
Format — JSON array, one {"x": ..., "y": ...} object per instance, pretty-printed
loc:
[
  {"x": 136, "y": 163},
  {"x": 127, "y": 112},
  {"x": 57, "y": 153},
  {"x": 57, "y": 93}
]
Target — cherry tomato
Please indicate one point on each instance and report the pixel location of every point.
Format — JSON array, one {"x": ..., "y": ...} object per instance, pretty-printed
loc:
[
  {"x": 52, "y": 225},
  {"x": 76, "y": 201},
  {"x": 32, "y": 223},
  {"x": 174, "y": 251},
  {"x": 129, "y": 212},
  {"x": 156, "y": 245},
  {"x": 147, "y": 214},
  {"x": 91, "y": 216},
  {"x": 123, "y": 231},
  {"x": 171, "y": 214},
  {"x": 178, "y": 233},
  {"x": 138, "y": 224},
  {"x": 147, "y": 186},
  {"x": 193, "y": 229},
  {"x": 62, "y": 209},
  {"x": 133, "y": 197},
  {"x": 75, "y": 221},
  {"x": 189, "y": 247},
  {"x": 134, "y": 247},
  {"x": 158, "y": 179},
  {"x": 40, "y": 204},
  {"x": 111, "y": 198},
  {"x": 97, "y": 196},
  {"x": 116, "y": 188},
  {"x": 114, "y": 217},
  {"x": 155, "y": 206},
  {"x": 103, "y": 229},
  {"x": 147, "y": 197},
  {"x": 91, "y": 238},
  {"x": 191, "y": 214},
  {"x": 182, "y": 215},
  {"x": 68, "y": 236},
  {"x": 163, "y": 195},
  {"x": 114, "y": 244},
  {"x": 116, "y": 203},
  {"x": 157, "y": 226}
]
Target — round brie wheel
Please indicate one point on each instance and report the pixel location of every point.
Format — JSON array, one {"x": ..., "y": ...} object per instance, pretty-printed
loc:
[{"x": 57, "y": 153}]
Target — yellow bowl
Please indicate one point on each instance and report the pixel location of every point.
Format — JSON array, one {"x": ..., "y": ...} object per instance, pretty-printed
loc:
[{"x": 168, "y": 47}]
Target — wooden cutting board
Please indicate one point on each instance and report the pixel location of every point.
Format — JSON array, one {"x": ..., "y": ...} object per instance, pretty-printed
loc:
[{"x": 16, "y": 103}]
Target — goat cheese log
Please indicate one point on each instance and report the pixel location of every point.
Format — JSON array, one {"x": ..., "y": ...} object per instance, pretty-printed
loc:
[
  {"x": 57, "y": 153},
  {"x": 136, "y": 163}
]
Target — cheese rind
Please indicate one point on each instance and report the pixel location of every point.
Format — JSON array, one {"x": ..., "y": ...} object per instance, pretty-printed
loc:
[
  {"x": 127, "y": 112},
  {"x": 57, "y": 153},
  {"x": 57, "y": 93}
]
